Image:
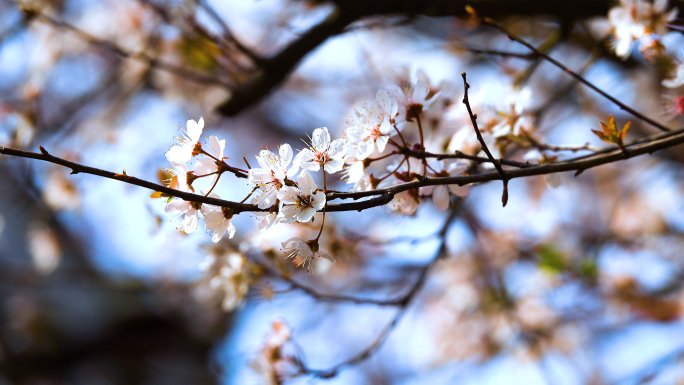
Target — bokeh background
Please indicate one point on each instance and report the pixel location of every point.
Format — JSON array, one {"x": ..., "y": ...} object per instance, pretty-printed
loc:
[{"x": 577, "y": 284}]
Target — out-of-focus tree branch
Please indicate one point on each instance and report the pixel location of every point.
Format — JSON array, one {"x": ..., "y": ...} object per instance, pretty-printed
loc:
[{"x": 275, "y": 70}]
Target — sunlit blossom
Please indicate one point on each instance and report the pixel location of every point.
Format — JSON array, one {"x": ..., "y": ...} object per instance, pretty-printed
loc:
[
  {"x": 187, "y": 142},
  {"x": 322, "y": 153},
  {"x": 369, "y": 126},
  {"x": 207, "y": 166},
  {"x": 218, "y": 222},
  {"x": 299, "y": 204},
  {"x": 272, "y": 174}
]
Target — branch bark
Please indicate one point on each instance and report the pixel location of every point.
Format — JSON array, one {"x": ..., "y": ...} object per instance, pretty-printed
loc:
[
  {"x": 275, "y": 70},
  {"x": 383, "y": 196}
]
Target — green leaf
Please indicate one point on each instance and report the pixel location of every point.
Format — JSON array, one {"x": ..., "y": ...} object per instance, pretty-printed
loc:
[
  {"x": 589, "y": 269},
  {"x": 551, "y": 260}
]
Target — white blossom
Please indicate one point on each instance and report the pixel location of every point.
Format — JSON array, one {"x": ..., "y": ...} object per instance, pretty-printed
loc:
[
  {"x": 187, "y": 141},
  {"x": 641, "y": 20},
  {"x": 356, "y": 174},
  {"x": 322, "y": 152},
  {"x": 272, "y": 174},
  {"x": 206, "y": 166},
  {"x": 446, "y": 168},
  {"x": 190, "y": 210},
  {"x": 218, "y": 222},
  {"x": 266, "y": 219},
  {"x": 405, "y": 202},
  {"x": 179, "y": 177},
  {"x": 413, "y": 98},
  {"x": 512, "y": 113},
  {"x": 304, "y": 252},
  {"x": 300, "y": 203},
  {"x": 370, "y": 126},
  {"x": 228, "y": 278},
  {"x": 271, "y": 363}
]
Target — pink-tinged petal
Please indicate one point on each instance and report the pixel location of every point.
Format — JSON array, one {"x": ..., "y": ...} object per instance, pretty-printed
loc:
[
  {"x": 213, "y": 219},
  {"x": 333, "y": 165},
  {"x": 460, "y": 191},
  {"x": 364, "y": 150},
  {"x": 382, "y": 142},
  {"x": 286, "y": 154},
  {"x": 217, "y": 146},
  {"x": 181, "y": 167},
  {"x": 266, "y": 199},
  {"x": 306, "y": 159},
  {"x": 337, "y": 148},
  {"x": 205, "y": 166},
  {"x": 190, "y": 221},
  {"x": 320, "y": 139},
  {"x": 259, "y": 176},
  {"x": 457, "y": 167},
  {"x": 306, "y": 183},
  {"x": 306, "y": 214},
  {"x": 230, "y": 228},
  {"x": 327, "y": 256},
  {"x": 420, "y": 91},
  {"x": 267, "y": 159},
  {"x": 440, "y": 196},
  {"x": 385, "y": 127},
  {"x": 552, "y": 180},
  {"x": 294, "y": 243},
  {"x": 177, "y": 206},
  {"x": 318, "y": 200},
  {"x": 220, "y": 232},
  {"x": 289, "y": 213},
  {"x": 194, "y": 129},
  {"x": 179, "y": 154},
  {"x": 288, "y": 194}
]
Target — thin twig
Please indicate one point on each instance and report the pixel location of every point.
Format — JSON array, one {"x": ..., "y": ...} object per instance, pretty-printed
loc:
[
  {"x": 162, "y": 65},
  {"x": 403, "y": 307},
  {"x": 575, "y": 75},
  {"x": 329, "y": 297},
  {"x": 497, "y": 163}
]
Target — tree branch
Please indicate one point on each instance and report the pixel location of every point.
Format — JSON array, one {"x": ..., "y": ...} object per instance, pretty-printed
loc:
[
  {"x": 497, "y": 163},
  {"x": 403, "y": 307},
  {"x": 578, "y": 77},
  {"x": 385, "y": 195},
  {"x": 276, "y": 69}
]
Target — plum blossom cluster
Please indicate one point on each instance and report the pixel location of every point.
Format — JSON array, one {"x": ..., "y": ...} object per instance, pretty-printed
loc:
[
  {"x": 646, "y": 22},
  {"x": 640, "y": 21},
  {"x": 393, "y": 138}
]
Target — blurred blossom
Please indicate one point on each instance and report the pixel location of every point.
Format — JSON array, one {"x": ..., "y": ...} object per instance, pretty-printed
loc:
[
  {"x": 44, "y": 248},
  {"x": 60, "y": 193},
  {"x": 272, "y": 364},
  {"x": 226, "y": 279}
]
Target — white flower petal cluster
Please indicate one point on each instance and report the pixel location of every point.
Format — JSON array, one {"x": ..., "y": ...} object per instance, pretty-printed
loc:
[
  {"x": 189, "y": 138},
  {"x": 323, "y": 153},
  {"x": 371, "y": 125},
  {"x": 271, "y": 176},
  {"x": 207, "y": 166},
  {"x": 446, "y": 168},
  {"x": 303, "y": 252},
  {"x": 299, "y": 204},
  {"x": 228, "y": 278},
  {"x": 639, "y": 20},
  {"x": 511, "y": 115}
]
